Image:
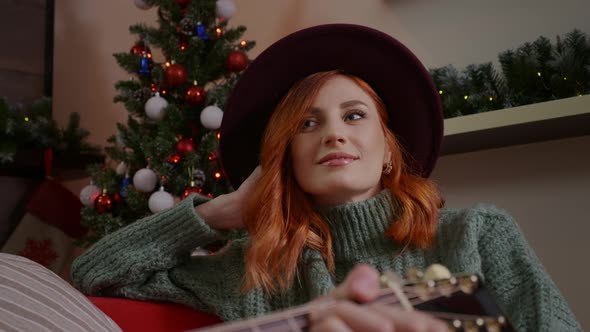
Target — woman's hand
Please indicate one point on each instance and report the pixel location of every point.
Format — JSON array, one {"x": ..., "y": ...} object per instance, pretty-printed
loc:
[
  {"x": 225, "y": 211},
  {"x": 345, "y": 314}
]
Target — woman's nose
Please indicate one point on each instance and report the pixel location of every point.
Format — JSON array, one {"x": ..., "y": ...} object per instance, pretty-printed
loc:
[{"x": 333, "y": 134}]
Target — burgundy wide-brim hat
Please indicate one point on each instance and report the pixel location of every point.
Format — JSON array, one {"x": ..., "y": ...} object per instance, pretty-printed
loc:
[{"x": 391, "y": 69}]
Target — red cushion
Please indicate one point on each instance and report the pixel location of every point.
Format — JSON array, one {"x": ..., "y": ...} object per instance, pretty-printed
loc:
[{"x": 133, "y": 315}]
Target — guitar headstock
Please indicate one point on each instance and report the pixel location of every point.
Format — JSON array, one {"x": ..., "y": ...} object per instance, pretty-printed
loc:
[{"x": 460, "y": 300}]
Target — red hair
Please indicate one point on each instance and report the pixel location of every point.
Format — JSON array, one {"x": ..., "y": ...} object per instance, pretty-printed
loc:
[{"x": 280, "y": 217}]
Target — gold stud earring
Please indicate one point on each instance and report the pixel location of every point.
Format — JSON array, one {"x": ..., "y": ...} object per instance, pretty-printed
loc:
[{"x": 387, "y": 168}]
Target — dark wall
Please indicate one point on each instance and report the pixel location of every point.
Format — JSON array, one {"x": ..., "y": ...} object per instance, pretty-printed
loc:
[{"x": 26, "y": 48}]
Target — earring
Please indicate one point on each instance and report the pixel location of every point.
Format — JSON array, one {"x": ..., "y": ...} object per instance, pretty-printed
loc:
[{"x": 387, "y": 168}]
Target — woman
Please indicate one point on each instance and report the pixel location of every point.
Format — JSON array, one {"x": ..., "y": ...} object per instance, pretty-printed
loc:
[{"x": 346, "y": 125}]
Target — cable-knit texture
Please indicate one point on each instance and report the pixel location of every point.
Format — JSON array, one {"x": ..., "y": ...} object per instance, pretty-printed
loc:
[{"x": 150, "y": 260}]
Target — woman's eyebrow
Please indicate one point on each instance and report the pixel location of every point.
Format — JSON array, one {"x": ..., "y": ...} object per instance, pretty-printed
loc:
[{"x": 352, "y": 103}]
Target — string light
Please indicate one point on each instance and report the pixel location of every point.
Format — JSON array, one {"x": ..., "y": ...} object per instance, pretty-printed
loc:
[
  {"x": 565, "y": 78},
  {"x": 539, "y": 73},
  {"x": 217, "y": 175},
  {"x": 440, "y": 92},
  {"x": 243, "y": 43},
  {"x": 491, "y": 98},
  {"x": 466, "y": 97},
  {"x": 219, "y": 32},
  {"x": 218, "y": 135},
  {"x": 26, "y": 118},
  {"x": 167, "y": 63}
]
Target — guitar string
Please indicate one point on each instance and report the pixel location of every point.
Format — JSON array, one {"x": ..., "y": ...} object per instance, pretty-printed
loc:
[{"x": 301, "y": 318}]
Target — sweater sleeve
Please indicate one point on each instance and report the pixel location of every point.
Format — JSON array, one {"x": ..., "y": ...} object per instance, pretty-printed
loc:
[
  {"x": 516, "y": 278},
  {"x": 134, "y": 261}
]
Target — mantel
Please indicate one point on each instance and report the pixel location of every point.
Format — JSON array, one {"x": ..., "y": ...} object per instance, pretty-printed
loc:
[{"x": 563, "y": 118}]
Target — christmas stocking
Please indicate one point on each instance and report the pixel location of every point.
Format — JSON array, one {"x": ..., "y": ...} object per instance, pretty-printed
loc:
[{"x": 45, "y": 234}]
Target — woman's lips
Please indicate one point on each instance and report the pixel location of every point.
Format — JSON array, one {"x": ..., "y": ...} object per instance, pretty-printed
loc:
[
  {"x": 338, "y": 162},
  {"x": 337, "y": 159}
]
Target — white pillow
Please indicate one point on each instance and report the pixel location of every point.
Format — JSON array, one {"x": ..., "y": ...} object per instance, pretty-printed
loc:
[{"x": 33, "y": 298}]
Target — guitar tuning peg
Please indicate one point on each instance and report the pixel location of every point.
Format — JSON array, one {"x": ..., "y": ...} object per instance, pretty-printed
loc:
[
  {"x": 414, "y": 275},
  {"x": 469, "y": 326},
  {"x": 495, "y": 325},
  {"x": 455, "y": 325},
  {"x": 447, "y": 286},
  {"x": 437, "y": 272},
  {"x": 468, "y": 284}
]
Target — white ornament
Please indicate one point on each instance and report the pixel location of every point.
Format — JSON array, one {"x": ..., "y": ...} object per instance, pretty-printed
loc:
[
  {"x": 121, "y": 169},
  {"x": 145, "y": 180},
  {"x": 225, "y": 8},
  {"x": 142, "y": 4},
  {"x": 211, "y": 117},
  {"x": 160, "y": 200},
  {"x": 154, "y": 107},
  {"x": 88, "y": 194}
]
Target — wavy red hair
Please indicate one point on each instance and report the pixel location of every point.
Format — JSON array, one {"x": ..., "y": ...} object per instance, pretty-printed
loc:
[{"x": 280, "y": 217}]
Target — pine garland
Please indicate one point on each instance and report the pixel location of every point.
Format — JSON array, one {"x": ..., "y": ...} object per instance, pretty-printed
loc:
[
  {"x": 32, "y": 127},
  {"x": 533, "y": 73}
]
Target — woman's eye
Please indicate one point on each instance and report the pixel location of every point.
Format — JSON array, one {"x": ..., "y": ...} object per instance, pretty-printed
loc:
[
  {"x": 356, "y": 115},
  {"x": 309, "y": 123}
]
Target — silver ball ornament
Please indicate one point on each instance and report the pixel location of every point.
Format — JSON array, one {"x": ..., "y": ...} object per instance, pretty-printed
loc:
[
  {"x": 145, "y": 180},
  {"x": 211, "y": 117},
  {"x": 88, "y": 194},
  {"x": 225, "y": 8},
  {"x": 160, "y": 200},
  {"x": 155, "y": 106}
]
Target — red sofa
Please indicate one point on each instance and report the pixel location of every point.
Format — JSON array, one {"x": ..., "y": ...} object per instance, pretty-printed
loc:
[{"x": 133, "y": 315}]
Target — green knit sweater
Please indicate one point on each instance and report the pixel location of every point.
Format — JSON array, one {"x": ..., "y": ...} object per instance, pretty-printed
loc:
[{"x": 150, "y": 260}]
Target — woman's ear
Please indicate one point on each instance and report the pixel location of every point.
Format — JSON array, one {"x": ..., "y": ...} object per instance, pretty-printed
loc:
[{"x": 387, "y": 155}]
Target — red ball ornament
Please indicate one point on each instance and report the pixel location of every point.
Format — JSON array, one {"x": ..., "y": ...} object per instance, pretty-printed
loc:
[
  {"x": 183, "y": 3},
  {"x": 236, "y": 61},
  {"x": 195, "y": 95},
  {"x": 139, "y": 48},
  {"x": 191, "y": 190},
  {"x": 175, "y": 75},
  {"x": 185, "y": 145},
  {"x": 104, "y": 203},
  {"x": 174, "y": 159}
]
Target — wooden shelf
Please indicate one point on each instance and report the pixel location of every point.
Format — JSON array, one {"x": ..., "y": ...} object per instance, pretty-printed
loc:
[{"x": 550, "y": 120}]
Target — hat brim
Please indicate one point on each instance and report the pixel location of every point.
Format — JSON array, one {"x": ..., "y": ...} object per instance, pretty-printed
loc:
[{"x": 393, "y": 71}]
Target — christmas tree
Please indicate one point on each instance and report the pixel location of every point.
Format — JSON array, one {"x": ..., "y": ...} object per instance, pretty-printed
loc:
[{"x": 167, "y": 150}]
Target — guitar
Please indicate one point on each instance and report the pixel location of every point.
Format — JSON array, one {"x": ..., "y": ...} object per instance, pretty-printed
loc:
[{"x": 460, "y": 300}]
